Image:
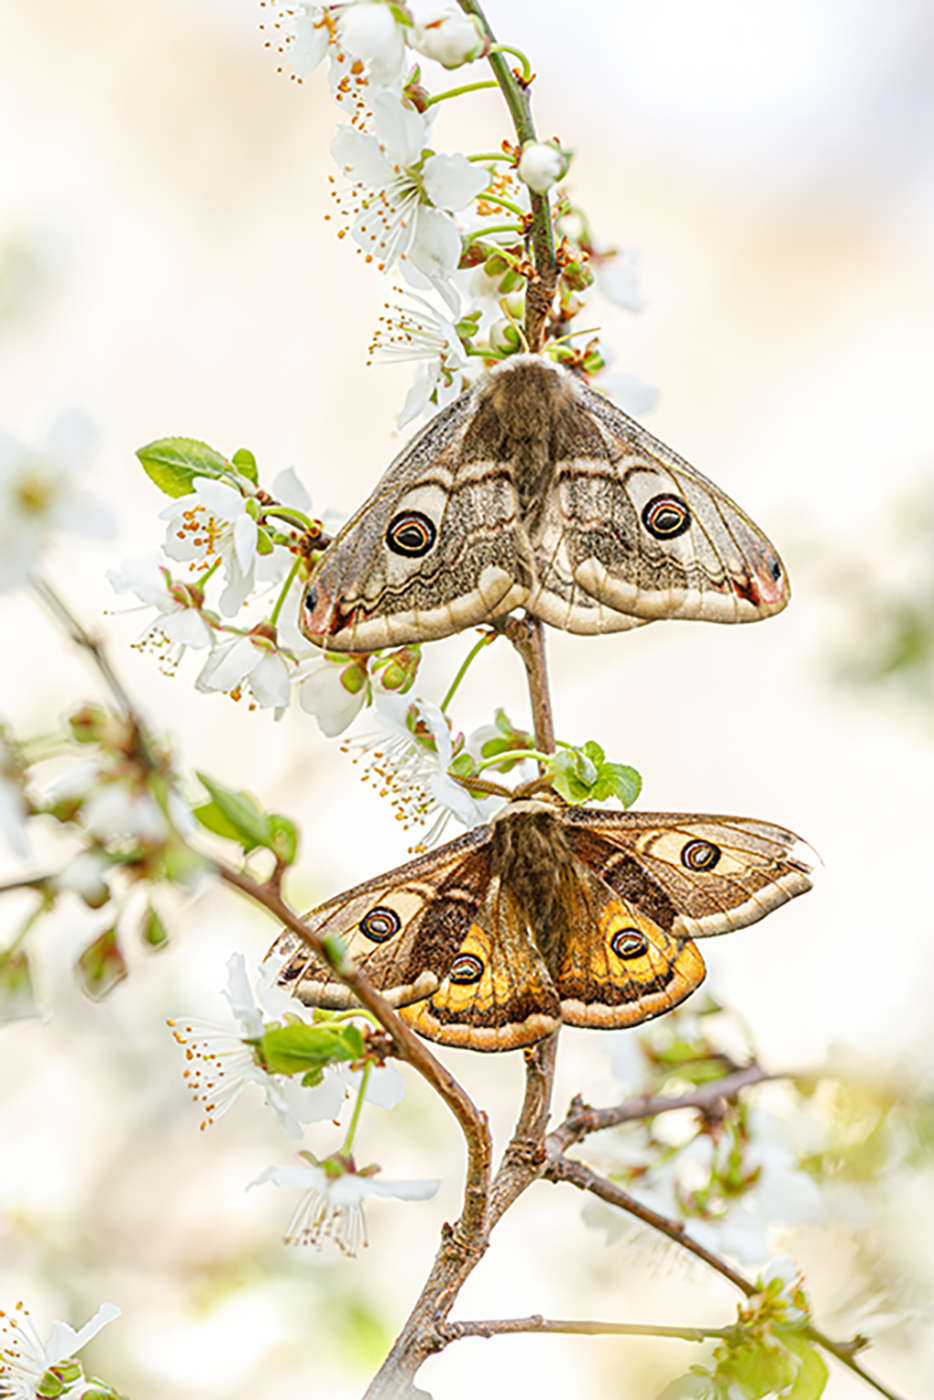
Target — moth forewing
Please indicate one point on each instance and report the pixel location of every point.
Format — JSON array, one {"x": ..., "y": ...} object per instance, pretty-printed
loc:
[{"x": 532, "y": 489}]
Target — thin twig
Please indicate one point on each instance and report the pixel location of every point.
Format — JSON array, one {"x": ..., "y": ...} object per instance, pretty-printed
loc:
[
  {"x": 95, "y": 649},
  {"x": 582, "y": 1120},
  {"x": 561, "y": 1168},
  {"x": 504, "y": 1326}
]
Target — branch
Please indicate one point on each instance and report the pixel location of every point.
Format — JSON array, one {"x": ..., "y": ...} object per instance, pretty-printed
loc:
[
  {"x": 582, "y": 1120},
  {"x": 78, "y": 634},
  {"x": 561, "y": 1168},
  {"x": 540, "y": 289},
  {"x": 525, "y": 1156},
  {"x": 504, "y": 1326}
]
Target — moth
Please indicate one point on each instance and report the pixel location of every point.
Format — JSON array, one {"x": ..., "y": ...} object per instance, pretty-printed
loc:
[
  {"x": 534, "y": 490},
  {"x": 549, "y": 914}
]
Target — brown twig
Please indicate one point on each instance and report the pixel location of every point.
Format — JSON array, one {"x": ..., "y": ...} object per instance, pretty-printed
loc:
[{"x": 582, "y": 1120}]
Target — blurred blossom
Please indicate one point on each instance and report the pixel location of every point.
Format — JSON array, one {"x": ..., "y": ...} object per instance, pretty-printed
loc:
[
  {"x": 178, "y": 616},
  {"x": 618, "y": 279},
  {"x": 633, "y": 395},
  {"x": 39, "y": 494},
  {"x": 401, "y": 198},
  {"x": 216, "y": 524},
  {"x": 26, "y": 1361},
  {"x": 13, "y": 810},
  {"x": 223, "y": 1061},
  {"x": 449, "y": 37},
  {"x": 332, "y": 1207},
  {"x": 84, "y": 875},
  {"x": 252, "y": 661}
]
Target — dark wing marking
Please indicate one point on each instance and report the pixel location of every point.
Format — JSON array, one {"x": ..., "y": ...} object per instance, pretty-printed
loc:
[
  {"x": 402, "y": 929},
  {"x": 498, "y": 994}
]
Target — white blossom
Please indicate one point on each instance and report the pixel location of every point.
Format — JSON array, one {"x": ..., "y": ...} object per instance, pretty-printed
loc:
[
  {"x": 254, "y": 661},
  {"x": 216, "y": 522},
  {"x": 541, "y": 165},
  {"x": 39, "y": 495},
  {"x": 322, "y": 693},
  {"x": 403, "y": 202},
  {"x": 411, "y": 766},
  {"x": 223, "y": 1061},
  {"x": 370, "y": 31},
  {"x": 420, "y": 332},
  {"x": 84, "y": 875},
  {"x": 332, "y": 1206},
  {"x": 25, "y": 1358},
  {"x": 449, "y": 37},
  {"x": 178, "y": 619}
]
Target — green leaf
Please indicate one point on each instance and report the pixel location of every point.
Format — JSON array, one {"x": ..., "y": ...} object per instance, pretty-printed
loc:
[
  {"x": 299, "y": 1049},
  {"x": 813, "y": 1376},
  {"x": 173, "y": 463},
  {"x": 617, "y": 780},
  {"x": 243, "y": 814},
  {"x": 264, "y": 544},
  {"x": 245, "y": 463}
]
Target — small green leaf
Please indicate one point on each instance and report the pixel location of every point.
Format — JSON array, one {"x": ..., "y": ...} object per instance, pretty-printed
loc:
[
  {"x": 245, "y": 463},
  {"x": 173, "y": 463},
  {"x": 264, "y": 544},
  {"x": 250, "y": 824},
  {"x": 101, "y": 966},
  {"x": 298, "y": 1049},
  {"x": 284, "y": 842},
  {"x": 813, "y": 1377},
  {"x": 617, "y": 780}
]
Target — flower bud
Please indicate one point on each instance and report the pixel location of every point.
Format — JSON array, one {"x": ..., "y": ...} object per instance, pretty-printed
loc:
[
  {"x": 577, "y": 275},
  {"x": 449, "y": 37},
  {"x": 542, "y": 165}
]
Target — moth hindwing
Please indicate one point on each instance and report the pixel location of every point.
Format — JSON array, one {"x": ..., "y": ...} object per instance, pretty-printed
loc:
[{"x": 550, "y": 914}]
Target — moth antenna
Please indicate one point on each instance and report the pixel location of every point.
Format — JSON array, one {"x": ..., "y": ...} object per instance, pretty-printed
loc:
[{"x": 504, "y": 307}]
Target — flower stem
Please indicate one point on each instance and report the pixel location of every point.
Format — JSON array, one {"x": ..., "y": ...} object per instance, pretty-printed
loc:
[
  {"x": 491, "y": 155},
  {"x": 502, "y": 228},
  {"x": 358, "y": 1108},
  {"x": 516, "y": 53},
  {"x": 274, "y": 615},
  {"x": 458, "y": 91},
  {"x": 468, "y": 661},
  {"x": 297, "y": 517}
]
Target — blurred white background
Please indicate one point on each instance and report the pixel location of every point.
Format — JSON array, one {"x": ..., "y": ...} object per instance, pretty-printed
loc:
[{"x": 164, "y": 264}]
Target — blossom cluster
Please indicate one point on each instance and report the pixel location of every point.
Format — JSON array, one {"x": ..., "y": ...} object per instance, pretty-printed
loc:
[{"x": 452, "y": 225}]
